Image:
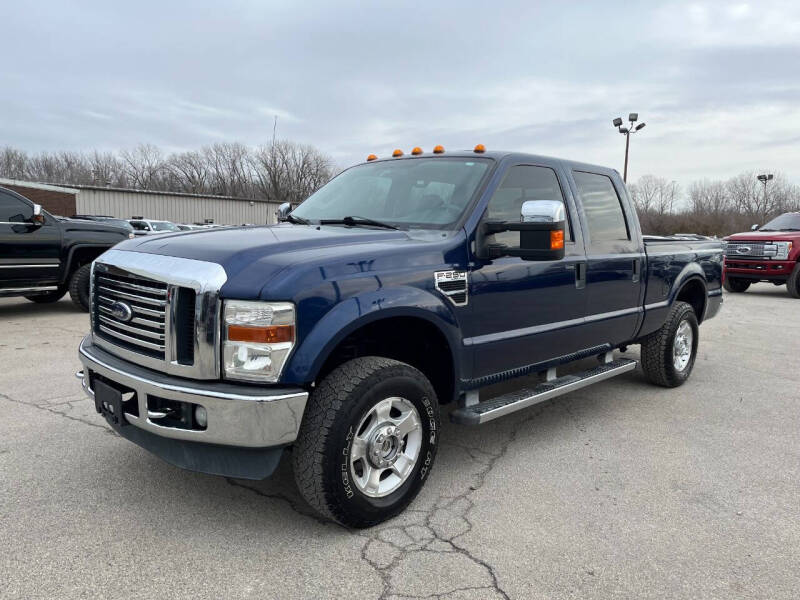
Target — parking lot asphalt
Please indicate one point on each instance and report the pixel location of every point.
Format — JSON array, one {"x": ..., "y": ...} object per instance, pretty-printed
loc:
[{"x": 619, "y": 490}]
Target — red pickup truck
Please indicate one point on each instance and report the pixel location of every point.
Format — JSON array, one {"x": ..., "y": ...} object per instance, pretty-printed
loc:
[{"x": 768, "y": 253}]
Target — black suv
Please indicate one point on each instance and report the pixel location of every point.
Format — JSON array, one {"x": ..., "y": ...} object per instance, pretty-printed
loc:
[{"x": 42, "y": 257}]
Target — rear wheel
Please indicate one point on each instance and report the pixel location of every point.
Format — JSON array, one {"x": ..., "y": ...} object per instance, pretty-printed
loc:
[
  {"x": 737, "y": 286},
  {"x": 668, "y": 354},
  {"x": 79, "y": 286},
  {"x": 367, "y": 441},
  {"x": 793, "y": 283},
  {"x": 49, "y": 297}
]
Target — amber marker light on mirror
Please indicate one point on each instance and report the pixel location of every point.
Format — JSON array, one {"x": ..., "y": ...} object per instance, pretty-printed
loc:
[
  {"x": 438, "y": 149},
  {"x": 274, "y": 334},
  {"x": 557, "y": 239},
  {"x": 416, "y": 151},
  {"x": 480, "y": 149},
  {"x": 397, "y": 153},
  {"x": 372, "y": 157}
]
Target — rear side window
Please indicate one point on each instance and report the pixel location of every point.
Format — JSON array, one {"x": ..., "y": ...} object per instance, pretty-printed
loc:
[
  {"x": 605, "y": 218},
  {"x": 522, "y": 183}
]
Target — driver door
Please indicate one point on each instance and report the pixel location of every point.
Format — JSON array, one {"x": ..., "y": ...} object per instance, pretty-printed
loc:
[
  {"x": 29, "y": 253},
  {"x": 525, "y": 311}
]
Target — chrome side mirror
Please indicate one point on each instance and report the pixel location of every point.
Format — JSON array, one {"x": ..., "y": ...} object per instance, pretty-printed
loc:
[
  {"x": 542, "y": 211},
  {"x": 37, "y": 218},
  {"x": 283, "y": 211},
  {"x": 754, "y": 227}
]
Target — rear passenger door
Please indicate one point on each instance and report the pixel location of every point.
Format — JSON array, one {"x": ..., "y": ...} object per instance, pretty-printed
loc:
[{"x": 615, "y": 256}]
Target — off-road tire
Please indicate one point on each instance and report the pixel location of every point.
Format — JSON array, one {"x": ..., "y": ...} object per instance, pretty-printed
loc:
[
  {"x": 735, "y": 285},
  {"x": 657, "y": 348},
  {"x": 79, "y": 286},
  {"x": 793, "y": 283},
  {"x": 49, "y": 297},
  {"x": 321, "y": 454}
]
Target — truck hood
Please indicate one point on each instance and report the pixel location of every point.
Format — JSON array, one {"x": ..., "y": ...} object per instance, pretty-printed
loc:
[
  {"x": 254, "y": 256},
  {"x": 764, "y": 236},
  {"x": 97, "y": 226}
]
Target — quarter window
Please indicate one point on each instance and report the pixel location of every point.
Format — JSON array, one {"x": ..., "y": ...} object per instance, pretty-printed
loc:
[
  {"x": 605, "y": 218},
  {"x": 522, "y": 183}
]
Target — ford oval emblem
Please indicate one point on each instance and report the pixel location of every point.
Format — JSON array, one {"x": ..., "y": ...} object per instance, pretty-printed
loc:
[
  {"x": 122, "y": 311},
  {"x": 743, "y": 250}
]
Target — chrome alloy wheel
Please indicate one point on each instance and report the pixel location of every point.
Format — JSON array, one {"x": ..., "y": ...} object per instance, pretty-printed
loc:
[
  {"x": 682, "y": 346},
  {"x": 386, "y": 447}
]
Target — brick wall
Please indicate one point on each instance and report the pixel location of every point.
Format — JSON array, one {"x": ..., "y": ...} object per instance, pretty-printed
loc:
[{"x": 56, "y": 203}]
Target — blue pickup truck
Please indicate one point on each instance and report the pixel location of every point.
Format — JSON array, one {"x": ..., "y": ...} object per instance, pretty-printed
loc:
[{"x": 403, "y": 285}]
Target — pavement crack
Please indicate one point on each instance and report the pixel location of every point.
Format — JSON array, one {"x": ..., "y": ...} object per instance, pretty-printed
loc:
[
  {"x": 293, "y": 504},
  {"x": 52, "y": 410}
]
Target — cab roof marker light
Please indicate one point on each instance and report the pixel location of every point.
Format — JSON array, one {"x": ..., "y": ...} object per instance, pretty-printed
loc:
[
  {"x": 372, "y": 157},
  {"x": 439, "y": 149},
  {"x": 479, "y": 149},
  {"x": 397, "y": 153},
  {"x": 416, "y": 150}
]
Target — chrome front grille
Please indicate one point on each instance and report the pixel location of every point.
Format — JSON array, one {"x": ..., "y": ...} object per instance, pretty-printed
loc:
[
  {"x": 132, "y": 312},
  {"x": 161, "y": 312},
  {"x": 747, "y": 250}
]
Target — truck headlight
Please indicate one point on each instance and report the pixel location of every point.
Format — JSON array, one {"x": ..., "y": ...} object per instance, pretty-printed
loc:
[
  {"x": 783, "y": 249},
  {"x": 257, "y": 339}
]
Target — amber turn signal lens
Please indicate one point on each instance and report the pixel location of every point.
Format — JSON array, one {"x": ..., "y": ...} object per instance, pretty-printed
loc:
[
  {"x": 438, "y": 149},
  {"x": 480, "y": 148},
  {"x": 372, "y": 157},
  {"x": 557, "y": 239},
  {"x": 261, "y": 335},
  {"x": 397, "y": 153},
  {"x": 416, "y": 151}
]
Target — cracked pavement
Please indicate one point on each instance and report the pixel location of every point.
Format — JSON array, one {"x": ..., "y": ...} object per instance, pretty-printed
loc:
[{"x": 617, "y": 490}]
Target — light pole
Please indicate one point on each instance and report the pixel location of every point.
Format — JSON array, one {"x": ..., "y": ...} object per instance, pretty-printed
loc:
[
  {"x": 627, "y": 132},
  {"x": 764, "y": 178}
]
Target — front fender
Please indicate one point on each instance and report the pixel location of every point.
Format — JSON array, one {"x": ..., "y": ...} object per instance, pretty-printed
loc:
[{"x": 357, "y": 311}]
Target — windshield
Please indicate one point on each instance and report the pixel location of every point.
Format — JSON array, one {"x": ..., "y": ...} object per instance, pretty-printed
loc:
[
  {"x": 786, "y": 222},
  {"x": 428, "y": 193},
  {"x": 163, "y": 226}
]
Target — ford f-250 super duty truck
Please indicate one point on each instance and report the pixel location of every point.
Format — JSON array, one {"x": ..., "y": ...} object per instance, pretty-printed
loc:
[
  {"x": 768, "y": 253},
  {"x": 402, "y": 285}
]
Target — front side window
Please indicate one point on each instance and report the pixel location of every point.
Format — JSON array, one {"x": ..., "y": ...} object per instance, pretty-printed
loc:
[
  {"x": 605, "y": 218},
  {"x": 139, "y": 226},
  {"x": 521, "y": 184},
  {"x": 14, "y": 210},
  {"x": 425, "y": 193}
]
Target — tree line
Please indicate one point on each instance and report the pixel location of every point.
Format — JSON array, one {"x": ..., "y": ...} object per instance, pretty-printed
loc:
[
  {"x": 711, "y": 207},
  {"x": 283, "y": 171}
]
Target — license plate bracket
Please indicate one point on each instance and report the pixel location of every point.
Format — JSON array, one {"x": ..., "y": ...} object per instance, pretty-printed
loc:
[{"x": 108, "y": 402}]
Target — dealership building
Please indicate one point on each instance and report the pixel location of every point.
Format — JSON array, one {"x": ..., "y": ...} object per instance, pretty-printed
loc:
[{"x": 68, "y": 200}]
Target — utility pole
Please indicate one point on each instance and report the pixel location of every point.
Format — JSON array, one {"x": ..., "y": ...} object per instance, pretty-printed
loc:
[
  {"x": 764, "y": 179},
  {"x": 627, "y": 132}
]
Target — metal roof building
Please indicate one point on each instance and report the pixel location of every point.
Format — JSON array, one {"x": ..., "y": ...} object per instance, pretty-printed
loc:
[{"x": 68, "y": 200}]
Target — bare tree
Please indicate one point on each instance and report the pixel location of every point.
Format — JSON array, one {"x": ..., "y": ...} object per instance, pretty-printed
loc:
[
  {"x": 290, "y": 172},
  {"x": 144, "y": 167}
]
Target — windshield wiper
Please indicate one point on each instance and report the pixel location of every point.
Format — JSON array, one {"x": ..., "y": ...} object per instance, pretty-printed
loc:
[
  {"x": 354, "y": 221},
  {"x": 299, "y": 220}
]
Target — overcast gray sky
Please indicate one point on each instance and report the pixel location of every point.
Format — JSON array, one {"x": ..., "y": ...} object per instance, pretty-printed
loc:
[{"x": 718, "y": 83}]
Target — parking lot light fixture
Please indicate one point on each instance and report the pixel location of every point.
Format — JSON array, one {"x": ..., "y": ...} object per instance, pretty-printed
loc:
[{"x": 627, "y": 132}]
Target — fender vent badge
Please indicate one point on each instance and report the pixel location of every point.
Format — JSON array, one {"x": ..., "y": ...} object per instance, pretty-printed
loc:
[{"x": 452, "y": 284}]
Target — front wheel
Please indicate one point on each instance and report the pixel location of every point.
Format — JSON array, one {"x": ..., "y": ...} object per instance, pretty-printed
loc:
[
  {"x": 367, "y": 441},
  {"x": 79, "y": 286},
  {"x": 668, "y": 354},
  {"x": 736, "y": 286},
  {"x": 793, "y": 283}
]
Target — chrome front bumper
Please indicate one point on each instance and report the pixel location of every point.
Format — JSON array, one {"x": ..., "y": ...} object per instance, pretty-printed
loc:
[{"x": 238, "y": 415}]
